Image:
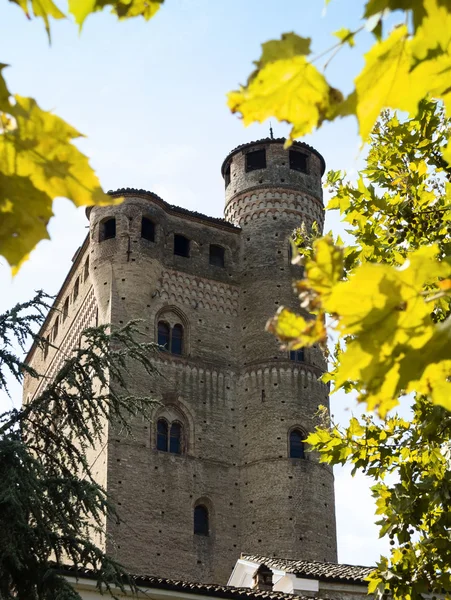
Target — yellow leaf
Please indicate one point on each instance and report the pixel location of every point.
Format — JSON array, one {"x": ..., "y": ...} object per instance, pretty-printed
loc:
[
  {"x": 295, "y": 330},
  {"x": 434, "y": 33},
  {"x": 326, "y": 268},
  {"x": 46, "y": 9},
  {"x": 447, "y": 152},
  {"x": 367, "y": 300},
  {"x": 41, "y": 8},
  {"x": 374, "y": 583},
  {"x": 395, "y": 346},
  {"x": 41, "y": 148},
  {"x": 24, "y": 214},
  {"x": 354, "y": 428},
  {"x": 4, "y": 93},
  {"x": 386, "y": 82},
  {"x": 287, "y": 87},
  {"x": 346, "y": 36},
  {"x": 373, "y": 7},
  {"x": 127, "y": 9},
  {"x": 292, "y": 45},
  {"x": 81, "y": 9},
  {"x": 39, "y": 163}
]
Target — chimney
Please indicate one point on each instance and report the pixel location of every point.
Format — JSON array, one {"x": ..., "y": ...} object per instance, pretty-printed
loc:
[{"x": 263, "y": 579}]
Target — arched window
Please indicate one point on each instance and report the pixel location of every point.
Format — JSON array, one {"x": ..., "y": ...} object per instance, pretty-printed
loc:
[
  {"x": 55, "y": 328},
  {"x": 86, "y": 270},
  {"x": 147, "y": 229},
  {"x": 65, "y": 308},
  {"x": 297, "y": 355},
  {"x": 175, "y": 439},
  {"x": 108, "y": 229},
  {"x": 170, "y": 339},
  {"x": 46, "y": 346},
  {"x": 169, "y": 437},
  {"x": 162, "y": 435},
  {"x": 201, "y": 526},
  {"x": 297, "y": 449},
  {"x": 164, "y": 335},
  {"x": 76, "y": 288},
  {"x": 177, "y": 340}
]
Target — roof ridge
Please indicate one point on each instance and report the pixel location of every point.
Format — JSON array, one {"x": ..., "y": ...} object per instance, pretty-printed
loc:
[
  {"x": 337, "y": 572},
  {"x": 312, "y": 562}
]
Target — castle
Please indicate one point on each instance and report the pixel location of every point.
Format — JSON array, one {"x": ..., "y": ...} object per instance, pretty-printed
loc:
[{"x": 221, "y": 469}]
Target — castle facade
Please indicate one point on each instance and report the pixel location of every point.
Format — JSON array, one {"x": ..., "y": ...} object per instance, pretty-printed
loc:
[{"x": 222, "y": 468}]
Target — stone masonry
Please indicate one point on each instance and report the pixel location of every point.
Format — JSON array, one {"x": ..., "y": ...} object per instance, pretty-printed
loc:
[{"x": 235, "y": 393}]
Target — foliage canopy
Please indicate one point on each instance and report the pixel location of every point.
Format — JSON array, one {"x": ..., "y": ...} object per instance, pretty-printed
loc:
[
  {"x": 386, "y": 298},
  {"x": 386, "y": 301},
  {"x": 404, "y": 65},
  {"x": 39, "y": 160},
  {"x": 53, "y": 508}
]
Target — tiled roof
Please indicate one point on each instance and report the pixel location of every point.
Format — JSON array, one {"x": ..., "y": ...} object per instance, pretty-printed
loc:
[
  {"x": 202, "y": 589},
  {"x": 172, "y": 207},
  {"x": 269, "y": 140},
  {"x": 315, "y": 570}
]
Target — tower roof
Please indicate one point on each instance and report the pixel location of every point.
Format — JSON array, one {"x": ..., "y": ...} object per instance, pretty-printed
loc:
[{"x": 269, "y": 140}]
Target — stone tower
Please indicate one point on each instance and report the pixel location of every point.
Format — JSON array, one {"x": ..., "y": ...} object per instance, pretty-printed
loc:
[
  {"x": 287, "y": 505},
  {"x": 220, "y": 469}
]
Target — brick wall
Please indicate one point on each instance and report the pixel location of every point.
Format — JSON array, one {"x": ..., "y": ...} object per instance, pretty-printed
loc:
[{"x": 235, "y": 392}]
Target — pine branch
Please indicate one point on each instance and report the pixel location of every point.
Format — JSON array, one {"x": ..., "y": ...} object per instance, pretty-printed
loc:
[{"x": 51, "y": 505}]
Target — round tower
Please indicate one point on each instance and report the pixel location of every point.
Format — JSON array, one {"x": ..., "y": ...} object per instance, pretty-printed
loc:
[{"x": 287, "y": 497}]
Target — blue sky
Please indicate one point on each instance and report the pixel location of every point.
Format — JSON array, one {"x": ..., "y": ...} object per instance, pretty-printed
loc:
[{"x": 151, "y": 99}]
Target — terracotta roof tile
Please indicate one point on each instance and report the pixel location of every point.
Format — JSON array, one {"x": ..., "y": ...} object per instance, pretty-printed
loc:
[
  {"x": 203, "y": 589},
  {"x": 315, "y": 570}
]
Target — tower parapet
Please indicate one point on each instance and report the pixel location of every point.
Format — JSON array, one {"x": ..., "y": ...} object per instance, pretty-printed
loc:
[
  {"x": 287, "y": 502},
  {"x": 263, "y": 178}
]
